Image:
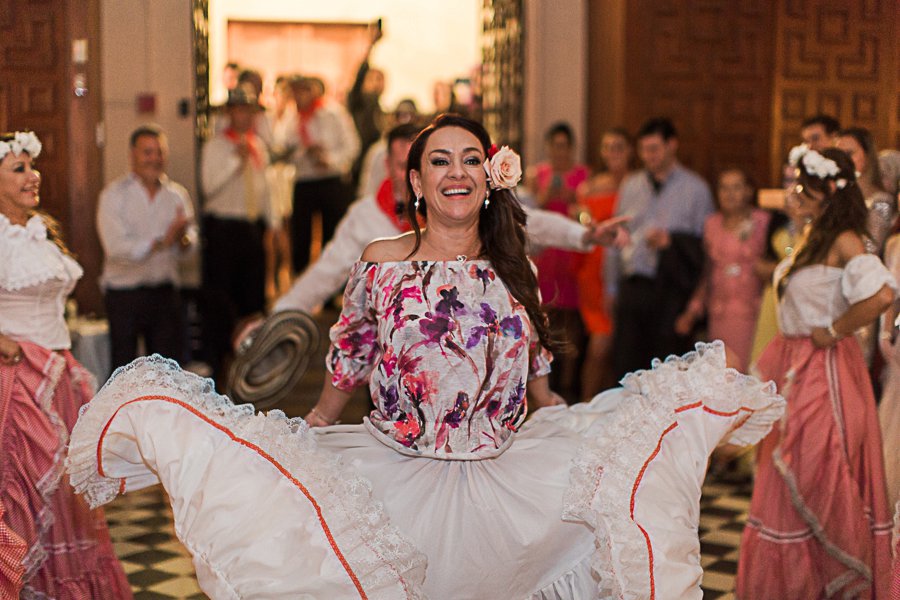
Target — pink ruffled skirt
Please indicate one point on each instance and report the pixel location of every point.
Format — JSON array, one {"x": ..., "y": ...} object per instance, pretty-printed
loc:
[
  {"x": 52, "y": 545},
  {"x": 819, "y": 523}
]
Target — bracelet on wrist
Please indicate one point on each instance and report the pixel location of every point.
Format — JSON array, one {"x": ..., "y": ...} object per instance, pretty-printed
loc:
[
  {"x": 833, "y": 332},
  {"x": 314, "y": 411}
]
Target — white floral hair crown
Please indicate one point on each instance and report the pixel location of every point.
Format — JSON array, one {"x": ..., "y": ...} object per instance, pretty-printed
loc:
[
  {"x": 25, "y": 141},
  {"x": 503, "y": 168},
  {"x": 816, "y": 164}
]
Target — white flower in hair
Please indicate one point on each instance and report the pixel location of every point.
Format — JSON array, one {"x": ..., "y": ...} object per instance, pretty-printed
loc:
[
  {"x": 22, "y": 141},
  {"x": 815, "y": 163},
  {"x": 797, "y": 153},
  {"x": 503, "y": 168}
]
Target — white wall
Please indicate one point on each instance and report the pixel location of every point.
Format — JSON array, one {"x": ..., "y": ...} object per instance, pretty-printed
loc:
[
  {"x": 146, "y": 48},
  {"x": 555, "y": 72},
  {"x": 425, "y": 40}
]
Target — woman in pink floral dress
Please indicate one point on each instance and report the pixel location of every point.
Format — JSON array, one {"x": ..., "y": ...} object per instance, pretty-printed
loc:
[
  {"x": 445, "y": 491},
  {"x": 734, "y": 238},
  {"x": 819, "y": 523}
]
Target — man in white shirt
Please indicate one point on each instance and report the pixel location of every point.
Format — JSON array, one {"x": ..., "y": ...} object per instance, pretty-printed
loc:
[
  {"x": 327, "y": 144},
  {"x": 236, "y": 211},
  {"x": 145, "y": 222}
]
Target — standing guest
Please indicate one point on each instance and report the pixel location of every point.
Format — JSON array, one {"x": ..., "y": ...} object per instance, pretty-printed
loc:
[
  {"x": 889, "y": 407},
  {"x": 734, "y": 240},
  {"x": 282, "y": 119},
  {"x": 859, "y": 145},
  {"x": 373, "y": 172},
  {"x": 819, "y": 131},
  {"x": 145, "y": 222},
  {"x": 784, "y": 235},
  {"x": 327, "y": 145},
  {"x": 364, "y": 104},
  {"x": 554, "y": 183},
  {"x": 650, "y": 280},
  {"x": 51, "y": 544},
  {"x": 819, "y": 523},
  {"x": 597, "y": 199},
  {"x": 236, "y": 213}
]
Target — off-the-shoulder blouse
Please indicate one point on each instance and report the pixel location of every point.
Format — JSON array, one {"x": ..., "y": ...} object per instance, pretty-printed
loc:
[
  {"x": 36, "y": 277},
  {"x": 818, "y": 294},
  {"x": 447, "y": 352}
]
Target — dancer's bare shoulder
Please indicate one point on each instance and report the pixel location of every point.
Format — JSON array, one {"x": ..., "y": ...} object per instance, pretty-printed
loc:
[{"x": 390, "y": 249}]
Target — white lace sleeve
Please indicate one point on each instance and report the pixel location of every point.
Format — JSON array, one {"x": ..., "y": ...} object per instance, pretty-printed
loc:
[{"x": 863, "y": 276}]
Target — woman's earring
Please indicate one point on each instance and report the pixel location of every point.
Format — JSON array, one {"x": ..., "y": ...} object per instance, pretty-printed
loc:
[
  {"x": 487, "y": 198},
  {"x": 416, "y": 203}
]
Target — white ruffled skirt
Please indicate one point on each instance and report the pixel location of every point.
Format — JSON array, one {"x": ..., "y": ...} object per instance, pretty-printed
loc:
[{"x": 592, "y": 501}]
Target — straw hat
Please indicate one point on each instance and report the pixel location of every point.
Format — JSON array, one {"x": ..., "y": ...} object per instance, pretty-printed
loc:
[{"x": 269, "y": 364}]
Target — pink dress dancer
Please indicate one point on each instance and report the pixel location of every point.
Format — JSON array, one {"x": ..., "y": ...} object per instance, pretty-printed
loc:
[
  {"x": 51, "y": 544},
  {"x": 819, "y": 523}
]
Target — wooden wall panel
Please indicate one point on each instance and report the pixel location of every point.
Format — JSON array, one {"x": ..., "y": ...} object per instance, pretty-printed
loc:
[
  {"x": 739, "y": 76},
  {"x": 32, "y": 39},
  {"x": 840, "y": 58}
]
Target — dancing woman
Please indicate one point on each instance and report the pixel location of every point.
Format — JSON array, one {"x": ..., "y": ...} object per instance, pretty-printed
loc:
[
  {"x": 444, "y": 491},
  {"x": 51, "y": 544},
  {"x": 819, "y": 523}
]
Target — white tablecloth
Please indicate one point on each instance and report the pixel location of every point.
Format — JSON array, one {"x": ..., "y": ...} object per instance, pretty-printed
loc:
[{"x": 90, "y": 346}]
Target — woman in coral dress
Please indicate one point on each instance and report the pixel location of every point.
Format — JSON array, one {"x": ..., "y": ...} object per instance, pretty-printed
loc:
[
  {"x": 597, "y": 198},
  {"x": 819, "y": 523},
  {"x": 445, "y": 491},
  {"x": 51, "y": 544}
]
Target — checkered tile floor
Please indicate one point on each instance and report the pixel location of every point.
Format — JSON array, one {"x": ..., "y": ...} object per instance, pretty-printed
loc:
[{"x": 159, "y": 568}]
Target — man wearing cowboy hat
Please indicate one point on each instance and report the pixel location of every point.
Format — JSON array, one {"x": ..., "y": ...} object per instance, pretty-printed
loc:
[{"x": 237, "y": 210}]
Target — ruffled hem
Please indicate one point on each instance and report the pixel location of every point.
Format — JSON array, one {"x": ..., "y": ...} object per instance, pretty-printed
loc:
[
  {"x": 379, "y": 556},
  {"x": 51, "y": 366},
  {"x": 12, "y": 553},
  {"x": 107, "y": 581},
  {"x": 606, "y": 474}
]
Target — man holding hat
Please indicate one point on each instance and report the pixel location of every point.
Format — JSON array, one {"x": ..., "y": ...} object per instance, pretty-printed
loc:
[{"x": 236, "y": 212}]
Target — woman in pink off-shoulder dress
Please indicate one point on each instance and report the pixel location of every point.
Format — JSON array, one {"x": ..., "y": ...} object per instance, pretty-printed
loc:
[
  {"x": 819, "y": 523},
  {"x": 51, "y": 544}
]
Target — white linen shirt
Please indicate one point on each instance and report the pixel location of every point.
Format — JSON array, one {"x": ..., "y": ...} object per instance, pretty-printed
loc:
[
  {"x": 224, "y": 185},
  {"x": 365, "y": 222},
  {"x": 35, "y": 280},
  {"x": 129, "y": 221},
  {"x": 332, "y": 128}
]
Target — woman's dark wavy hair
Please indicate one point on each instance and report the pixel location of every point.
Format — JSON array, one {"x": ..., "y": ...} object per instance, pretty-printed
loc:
[
  {"x": 54, "y": 231},
  {"x": 501, "y": 227},
  {"x": 843, "y": 210}
]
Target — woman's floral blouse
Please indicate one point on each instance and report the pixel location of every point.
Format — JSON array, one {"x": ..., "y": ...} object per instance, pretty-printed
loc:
[{"x": 445, "y": 348}]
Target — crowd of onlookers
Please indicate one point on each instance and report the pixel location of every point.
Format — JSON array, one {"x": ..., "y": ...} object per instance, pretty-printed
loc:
[
  {"x": 276, "y": 181},
  {"x": 698, "y": 266}
]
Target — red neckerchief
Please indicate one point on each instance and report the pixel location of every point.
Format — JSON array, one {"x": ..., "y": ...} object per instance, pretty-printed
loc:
[
  {"x": 235, "y": 138},
  {"x": 388, "y": 205},
  {"x": 305, "y": 116}
]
